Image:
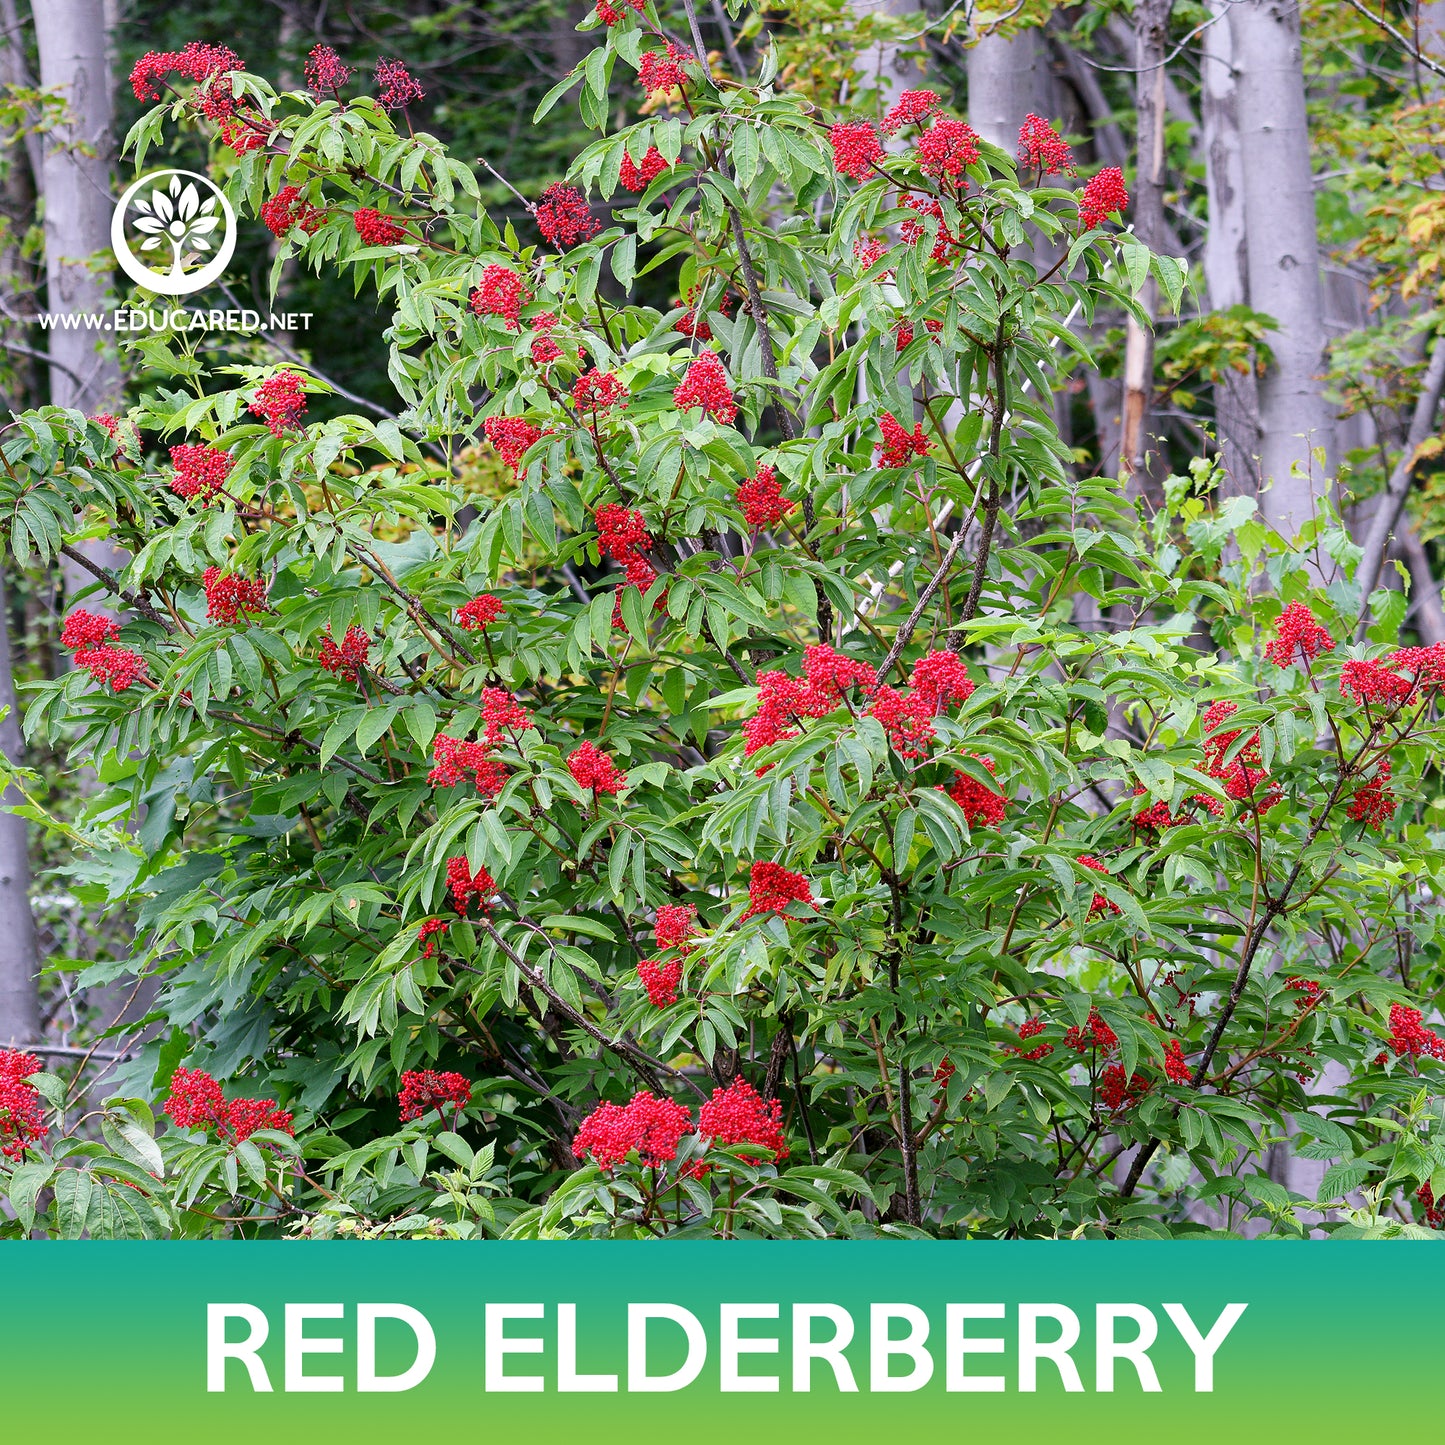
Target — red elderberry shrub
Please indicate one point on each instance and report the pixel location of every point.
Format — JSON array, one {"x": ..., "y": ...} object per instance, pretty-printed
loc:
[
  {"x": 855, "y": 148},
  {"x": 1042, "y": 146},
  {"x": 944, "y": 1072},
  {"x": 511, "y": 437},
  {"x": 674, "y": 926},
  {"x": 1373, "y": 803},
  {"x": 88, "y": 629},
  {"x": 829, "y": 674},
  {"x": 395, "y": 85},
  {"x": 595, "y": 393},
  {"x": 780, "y": 698},
  {"x": 1103, "y": 197},
  {"x": 423, "y": 1090},
  {"x": 739, "y": 1115},
  {"x": 592, "y": 768},
  {"x": 279, "y": 402},
  {"x": 666, "y": 72},
  {"x": 113, "y": 667},
  {"x": 1298, "y": 632},
  {"x": 1175, "y": 1068},
  {"x": 324, "y": 70},
  {"x": 908, "y": 721},
  {"x": 479, "y": 614},
  {"x": 1425, "y": 664},
  {"x": 199, "y": 471},
  {"x": 761, "y": 498},
  {"x": 945, "y": 149},
  {"x": 621, "y": 533},
  {"x": 1118, "y": 1090},
  {"x": 1369, "y": 682},
  {"x": 564, "y": 217},
  {"x": 1094, "y": 1033},
  {"x": 982, "y": 807},
  {"x": 638, "y": 175},
  {"x": 502, "y": 713},
  {"x": 197, "y": 61},
  {"x": 377, "y": 229},
  {"x": 649, "y": 1126},
  {"x": 428, "y": 935},
  {"x": 22, "y": 1110},
  {"x": 705, "y": 385},
  {"x": 502, "y": 293},
  {"x": 771, "y": 888},
  {"x": 348, "y": 659},
  {"x": 660, "y": 980},
  {"x": 455, "y": 759},
  {"x": 913, "y": 107},
  {"x": 286, "y": 210},
  {"x": 1409, "y": 1036},
  {"x": 228, "y": 596},
  {"x": 464, "y": 885},
  {"x": 245, "y": 1117},
  {"x": 1099, "y": 904},
  {"x": 898, "y": 443},
  {"x": 609, "y": 14}
]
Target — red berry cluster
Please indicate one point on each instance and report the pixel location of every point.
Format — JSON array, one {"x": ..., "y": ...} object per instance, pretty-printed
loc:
[
  {"x": 22, "y": 1110},
  {"x": 1298, "y": 632},
  {"x": 1042, "y": 146},
  {"x": 90, "y": 636},
  {"x": 739, "y": 1115},
  {"x": 1409, "y": 1036},
  {"x": 610, "y": 15},
  {"x": 502, "y": 293},
  {"x": 324, "y": 70},
  {"x": 428, "y": 935},
  {"x": 229, "y": 597},
  {"x": 1434, "y": 1213},
  {"x": 464, "y": 885},
  {"x": 944, "y": 1072},
  {"x": 869, "y": 251},
  {"x": 395, "y": 85},
  {"x": 1244, "y": 777},
  {"x": 1099, "y": 904},
  {"x": 196, "y": 1102},
  {"x": 511, "y": 436},
  {"x": 502, "y": 713},
  {"x": 946, "y": 246},
  {"x": 1030, "y": 1028},
  {"x": 1103, "y": 197},
  {"x": 913, "y": 107},
  {"x": 982, "y": 806},
  {"x": 623, "y": 536},
  {"x": 279, "y": 402},
  {"x": 197, "y": 61},
  {"x": 377, "y": 229},
  {"x": 675, "y": 925},
  {"x": 242, "y": 135},
  {"x": 199, "y": 471},
  {"x": 657, "y": 71},
  {"x": 771, "y": 888},
  {"x": 286, "y": 210},
  {"x": 705, "y": 385},
  {"x": 348, "y": 659},
  {"x": 1175, "y": 1068},
  {"x": 595, "y": 393},
  {"x": 564, "y": 217},
  {"x": 638, "y": 175},
  {"x": 660, "y": 980},
  {"x": 479, "y": 614},
  {"x": 592, "y": 768},
  {"x": 423, "y": 1090},
  {"x": 1118, "y": 1090},
  {"x": 454, "y": 759},
  {"x": 855, "y": 148},
  {"x": 761, "y": 498},
  {"x": 1093, "y": 1033},
  {"x": 899, "y": 444},
  {"x": 946, "y": 148},
  {"x": 647, "y": 1126},
  {"x": 1373, "y": 802},
  {"x": 544, "y": 349}
]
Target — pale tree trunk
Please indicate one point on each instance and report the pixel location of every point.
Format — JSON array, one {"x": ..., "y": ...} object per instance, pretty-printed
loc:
[
  {"x": 1283, "y": 257},
  {"x": 76, "y": 182},
  {"x": 19, "y": 996},
  {"x": 1226, "y": 254},
  {"x": 1139, "y": 455}
]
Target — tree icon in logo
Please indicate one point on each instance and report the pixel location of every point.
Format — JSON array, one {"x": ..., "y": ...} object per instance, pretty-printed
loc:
[{"x": 180, "y": 219}]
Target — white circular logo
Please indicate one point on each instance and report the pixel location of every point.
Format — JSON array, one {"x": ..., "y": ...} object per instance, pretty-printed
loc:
[{"x": 173, "y": 232}]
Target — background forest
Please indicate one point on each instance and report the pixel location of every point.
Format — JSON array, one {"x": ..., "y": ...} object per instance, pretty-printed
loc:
[{"x": 1219, "y": 482}]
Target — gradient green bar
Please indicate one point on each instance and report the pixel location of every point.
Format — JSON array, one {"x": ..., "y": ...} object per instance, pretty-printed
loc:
[{"x": 108, "y": 1339}]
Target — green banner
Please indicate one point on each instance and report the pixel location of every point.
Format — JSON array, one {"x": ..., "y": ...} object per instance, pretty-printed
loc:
[{"x": 713, "y": 1341}]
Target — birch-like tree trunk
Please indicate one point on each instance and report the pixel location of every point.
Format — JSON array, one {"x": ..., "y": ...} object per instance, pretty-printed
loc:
[
  {"x": 1226, "y": 253},
  {"x": 1283, "y": 258},
  {"x": 76, "y": 180}
]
